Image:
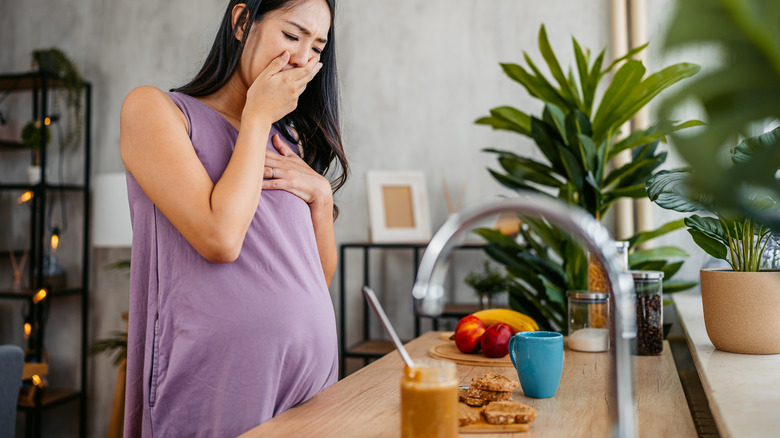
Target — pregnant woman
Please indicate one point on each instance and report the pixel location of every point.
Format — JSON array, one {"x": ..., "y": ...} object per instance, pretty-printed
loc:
[{"x": 231, "y": 321}]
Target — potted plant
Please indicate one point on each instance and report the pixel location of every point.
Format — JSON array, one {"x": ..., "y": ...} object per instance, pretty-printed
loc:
[
  {"x": 67, "y": 97},
  {"x": 742, "y": 304},
  {"x": 486, "y": 283},
  {"x": 31, "y": 138},
  {"x": 578, "y": 135}
]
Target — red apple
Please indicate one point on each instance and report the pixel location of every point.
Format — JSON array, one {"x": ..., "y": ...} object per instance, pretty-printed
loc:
[
  {"x": 495, "y": 340},
  {"x": 468, "y": 333}
]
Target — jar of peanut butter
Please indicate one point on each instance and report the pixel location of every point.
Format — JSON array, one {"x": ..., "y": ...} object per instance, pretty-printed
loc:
[{"x": 429, "y": 400}]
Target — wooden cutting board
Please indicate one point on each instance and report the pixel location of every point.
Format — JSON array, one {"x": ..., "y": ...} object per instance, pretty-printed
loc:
[
  {"x": 449, "y": 351},
  {"x": 483, "y": 427}
]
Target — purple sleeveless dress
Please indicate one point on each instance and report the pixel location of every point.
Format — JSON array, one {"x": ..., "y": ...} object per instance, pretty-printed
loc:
[{"x": 216, "y": 349}]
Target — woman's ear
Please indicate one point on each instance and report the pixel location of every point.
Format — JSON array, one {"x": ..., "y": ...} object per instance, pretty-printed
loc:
[{"x": 238, "y": 20}]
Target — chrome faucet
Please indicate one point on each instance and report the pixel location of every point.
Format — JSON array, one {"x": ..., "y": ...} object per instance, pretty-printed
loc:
[{"x": 428, "y": 290}]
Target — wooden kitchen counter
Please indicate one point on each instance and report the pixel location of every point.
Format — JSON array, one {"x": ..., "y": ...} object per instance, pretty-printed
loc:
[
  {"x": 367, "y": 403},
  {"x": 743, "y": 390}
]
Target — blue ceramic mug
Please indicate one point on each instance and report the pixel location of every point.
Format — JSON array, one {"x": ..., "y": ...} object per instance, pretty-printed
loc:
[{"x": 538, "y": 359}]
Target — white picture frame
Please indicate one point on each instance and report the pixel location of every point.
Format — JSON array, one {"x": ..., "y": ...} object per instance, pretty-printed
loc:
[{"x": 397, "y": 206}]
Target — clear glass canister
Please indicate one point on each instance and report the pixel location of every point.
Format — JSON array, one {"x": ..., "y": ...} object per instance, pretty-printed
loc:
[
  {"x": 429, "y": 400},
  {"x": 588, "y": 321},
  {"x": 597, "y": 275},
  {"x": 648, "y": 286}
]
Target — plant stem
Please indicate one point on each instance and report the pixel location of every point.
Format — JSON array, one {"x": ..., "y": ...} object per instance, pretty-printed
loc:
[
  {"x": 754, "y": 247},
  {"x": 734, "y": 256},
  {"x": 745, "y": 247}
]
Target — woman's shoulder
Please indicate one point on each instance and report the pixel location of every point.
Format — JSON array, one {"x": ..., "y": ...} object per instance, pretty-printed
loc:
[
  {"x": 146, "y": 101},
  {"x": 146, "y": 96}
]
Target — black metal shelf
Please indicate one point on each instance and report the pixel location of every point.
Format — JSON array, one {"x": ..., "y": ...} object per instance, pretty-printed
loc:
[
  {"x": 368, "y": 348},
  {"x": 13, "y": 145},
  {"x": 28, "y": 294},
  {"x": 50, "y": 397},
  {"x": 39, "y": 85},
  {"x": 28, "y": 81},
  {"x": 42, "y": 186}
]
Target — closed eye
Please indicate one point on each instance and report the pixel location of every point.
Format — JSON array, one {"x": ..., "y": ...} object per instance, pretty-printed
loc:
[{"x": 290, "y": 37}]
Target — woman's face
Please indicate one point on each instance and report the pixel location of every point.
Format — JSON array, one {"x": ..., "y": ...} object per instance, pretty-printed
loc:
[{"x": 302, "y": 31}]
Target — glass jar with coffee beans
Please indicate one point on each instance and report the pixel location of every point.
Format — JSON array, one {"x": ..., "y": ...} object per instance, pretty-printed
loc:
[{"x": 649, "y": 313}]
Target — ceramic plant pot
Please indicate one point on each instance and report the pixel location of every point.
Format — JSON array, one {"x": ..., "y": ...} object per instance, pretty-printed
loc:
[{"x": 742, "y": 310}]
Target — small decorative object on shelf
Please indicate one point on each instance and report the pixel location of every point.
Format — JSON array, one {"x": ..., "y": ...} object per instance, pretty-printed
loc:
[
  {"x": 18, "y": 267},
  {"x": 486, "y": 283}
]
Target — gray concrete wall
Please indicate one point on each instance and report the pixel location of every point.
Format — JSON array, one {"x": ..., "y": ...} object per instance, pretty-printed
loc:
[{"x": 415, "y": 74}]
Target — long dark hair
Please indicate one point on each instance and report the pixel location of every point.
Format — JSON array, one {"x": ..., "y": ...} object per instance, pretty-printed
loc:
[{"x": 316, "y": 118}]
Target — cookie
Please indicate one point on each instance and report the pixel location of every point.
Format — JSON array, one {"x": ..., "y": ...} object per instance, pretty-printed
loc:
[
  {"x": 494, "y": 382},
  {"x": 508, "y": 412},
  {"x": 468, "y": 415},
  {"x": 463, "y": 396},
  {"x": 484, "y": 394}
]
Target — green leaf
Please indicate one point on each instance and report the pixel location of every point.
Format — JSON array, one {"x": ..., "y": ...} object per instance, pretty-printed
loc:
[
  {"x": 555, "y": 67},
  {"x": 502, "y": 255},
  {"x": 511, "y": 182},
  {"x": 590, "y": 155},
  {"x": 709, "y": 226},
  {"x": 710, "y": 245},
  {"x": 529, "y": 240},
  {"x": 671, "y": 268},
  {"x": 553, "y": 116},
  {"x": 554, "y": 295},
  {"x": 659, "y": 253},
  {"x": 671, "y": 287},
  {"x": 508, "y": 119},
  {"x": 536, "y": 87},
  {"x": 648, "y": 89},
  {"x": 636, "y": 191},
  {"x": 542, "y": 267},
  {"x": 669, "y": 189},
  {"x": 526, "y": 162},
  {"x": 584, "y": 75},
  {"x": 545, "y": 137},
  {"x": 659, "y": 131},
  {"x": 520, "y": 170},
  {"x": 620, "y": 176},
  {"x": 550, "y": 235},
  {"x": 752, "y": 146},
  {"x": 529, "y": 299},
  {"x": 593, "y": 81},
  {"x": 650, "y": 265},
  {"x": 494, "y": 236},
  {"x": 664, "y": 229},
  {"x": 576, "y": 266},
  {"x": 628, "y": 55},
  {"x": 574, "y": 170},
  {"x": 626, "y": 79}
]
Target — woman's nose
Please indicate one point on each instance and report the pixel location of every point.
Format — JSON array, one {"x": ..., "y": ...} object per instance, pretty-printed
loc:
[{"x": 299, "y": 58}]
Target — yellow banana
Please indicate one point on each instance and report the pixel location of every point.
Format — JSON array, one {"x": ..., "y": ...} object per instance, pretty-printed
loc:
[{"x": 519, "y": 322}]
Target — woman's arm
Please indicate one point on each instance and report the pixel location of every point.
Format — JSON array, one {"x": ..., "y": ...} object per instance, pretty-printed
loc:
[
  {"x": 292, "y": 174},
  {"x": 157, "y": 151},
  {"x": 322, "y": 218}
]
